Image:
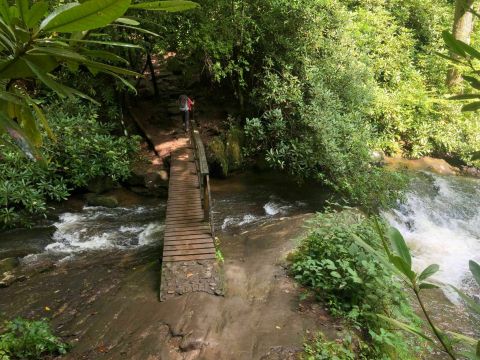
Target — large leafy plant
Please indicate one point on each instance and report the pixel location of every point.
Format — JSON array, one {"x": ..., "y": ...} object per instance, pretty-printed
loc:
[
  {"x": 35, "y": 43},
  {"x": 399, "y": 260}
]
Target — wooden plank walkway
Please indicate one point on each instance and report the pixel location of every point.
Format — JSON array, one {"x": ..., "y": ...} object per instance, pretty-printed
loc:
[{"x": 187, "y": 235}]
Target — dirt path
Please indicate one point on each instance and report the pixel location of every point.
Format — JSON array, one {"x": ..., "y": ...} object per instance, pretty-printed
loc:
[{"x": 107, "y": 306}]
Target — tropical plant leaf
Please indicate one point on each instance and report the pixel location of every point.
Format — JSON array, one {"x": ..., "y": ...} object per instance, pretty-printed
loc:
[
  {"x": 104, "y": 55},
  {"x": 452, "y": 44},
  {"x": 475, "y": 269},
  {"x": 471, "y": 107},
  {"x": 473, "y": 81},
  {"x": 42, "y": 118},
  {"x": 145, "y": 31},
  {"x": 20, "y": 139},
  {"x": 35, "y": 14},
  {"x": 110, "y": 68},
  {"x": 399, "y": 246},
  {"x": 89, "y": 15},
  {"x": 464, "y": 97},
  {"x": 22, "y": 6},
  {"x": 402, "y": 266},
  {"x": 127, "y": 21},
  {"x": 8, "y": 96},
  {"x": 44, "y": 77},
  {"x": 429, "y": 271},
  {"x": 109, "y": 43},
  {"x": 425, "y": 286},
  {"x": 169, "y": 5},
  {"x": 57, "y": 52},
  {"x": 29, "y": 126},
  {"x": 447, "y": 57},
  {"x": 5, "y": 11},
  {"x": 405, "y": 327},
  {"x": 468, "y": 300}
]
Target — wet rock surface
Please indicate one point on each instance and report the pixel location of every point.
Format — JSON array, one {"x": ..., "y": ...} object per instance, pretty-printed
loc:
[{"x": 107, "y": 305}]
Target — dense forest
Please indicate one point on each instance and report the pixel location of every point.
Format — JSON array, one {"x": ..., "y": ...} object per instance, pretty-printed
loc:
[{"x": 319, "y": 91}]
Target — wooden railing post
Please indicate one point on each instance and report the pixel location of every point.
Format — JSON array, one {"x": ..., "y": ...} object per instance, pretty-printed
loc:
[{"x": 203, "y": 174}]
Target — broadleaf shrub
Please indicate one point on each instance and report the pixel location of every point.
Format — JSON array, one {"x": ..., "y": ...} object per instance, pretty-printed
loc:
[
  {"x": 29, "y": 340},
  {"x": 353, "y": 283},
  {"x": 84, "y": 149}
]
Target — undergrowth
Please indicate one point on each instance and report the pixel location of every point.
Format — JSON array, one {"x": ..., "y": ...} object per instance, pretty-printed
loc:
[
  {"x": 29, "y": 340},
  {"x": 353, "y": 284}
]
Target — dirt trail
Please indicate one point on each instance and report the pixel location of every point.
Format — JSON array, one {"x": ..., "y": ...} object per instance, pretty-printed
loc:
[{"x": 108, "y": 307}]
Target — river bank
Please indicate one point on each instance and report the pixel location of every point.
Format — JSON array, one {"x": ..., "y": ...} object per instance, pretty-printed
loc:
[
  {"x": 107, "y": 306},
  {"x": 103, "y": 298}
]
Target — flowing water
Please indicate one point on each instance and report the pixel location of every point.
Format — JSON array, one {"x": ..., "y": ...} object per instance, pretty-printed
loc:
[{"x": 440, "y": 220}]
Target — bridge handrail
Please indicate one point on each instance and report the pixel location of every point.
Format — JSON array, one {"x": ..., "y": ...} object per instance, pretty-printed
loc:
[{"x": 203, "y": 174}]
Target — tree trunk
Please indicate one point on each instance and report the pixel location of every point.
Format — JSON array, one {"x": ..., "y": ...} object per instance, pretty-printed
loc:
[
  {"x": 462, "y": 29},
  {"x": 152, "y": 72}
]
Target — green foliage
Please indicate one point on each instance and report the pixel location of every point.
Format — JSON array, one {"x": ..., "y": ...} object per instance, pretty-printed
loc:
[
  {"x": 35, "y": 43},
  {"x": 83, "y": 150},
  {"x": 352, "y": 281},
  {"x": 321, "y": 349},
  {"x": 24, "y": 339},
  {"x": 363, "y": 72},
  {"x": 400, "y": 259}
]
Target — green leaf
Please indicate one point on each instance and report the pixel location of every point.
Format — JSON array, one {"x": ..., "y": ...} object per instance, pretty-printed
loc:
[
  {"x": 57, "y": 52},
  {"x": 29, "y": 126},
  {"x": 426, "y": 286},
  {"x": 465, "y": 97},
  {"x": 41, "y": 116},
  {"x": 473, "y": 81},
  {"x": 8, "y": 96},
  {"x": 405, "y": 327},
  {"x": 478, "y": 349},
  {"x": 127, "y": 21},
  {"x": 16, "y": 133},
  {"x": 105, "y": 67},
  {"x": 402, "y": 266},
  {"x": 429, "y": 271},
  {"x": 476, "y": 155},
  {"x": 104, "y": 55},
  {"x": 89, "y": 15},
  {"x": 471, "y": 107},
  {"x": 145, "y": 31},
  {"x": 468, "y": 300},
  {"x": 44, "y": 77},
  {"x": 17, "y": 68},
  {"x": 469, "y": 50},
  {"x": 475, "y": 269},
  {"x": 124, "y": 81},
  {"x": 170, "y": 6},
  {"x": 399, "y": 246},
  {"x": 36, "y": 13},
  {"x": 452, "y": 44},
  {"x": 109, "y": 43},
  {"x": 5, "y": 12},
  {"x": 449, "y": 58},
  {"x": 22, "y": 6}
]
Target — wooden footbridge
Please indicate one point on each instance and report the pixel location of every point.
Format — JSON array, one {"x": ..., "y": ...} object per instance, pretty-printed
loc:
[{"x": 189, "y": 232}]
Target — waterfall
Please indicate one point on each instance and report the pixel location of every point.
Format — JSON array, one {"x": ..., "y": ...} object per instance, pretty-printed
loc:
[{"x": 440, "y": 221}]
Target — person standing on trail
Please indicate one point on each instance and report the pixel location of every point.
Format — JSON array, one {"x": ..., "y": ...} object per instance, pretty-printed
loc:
[{"x": 186, "y": 106}]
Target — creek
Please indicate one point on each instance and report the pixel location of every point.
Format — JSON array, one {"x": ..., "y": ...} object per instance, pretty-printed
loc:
[{"x": 100, "y": 247}]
